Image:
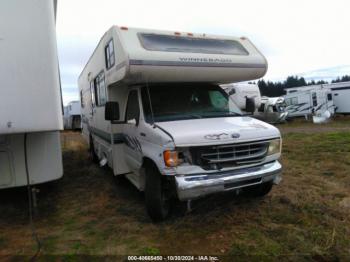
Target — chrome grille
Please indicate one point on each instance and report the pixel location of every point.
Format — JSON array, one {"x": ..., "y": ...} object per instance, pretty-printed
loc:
[{"x": 216, "y": 157}]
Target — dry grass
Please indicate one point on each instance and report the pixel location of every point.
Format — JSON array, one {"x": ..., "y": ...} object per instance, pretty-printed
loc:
[{"x": 87, "y": 212}]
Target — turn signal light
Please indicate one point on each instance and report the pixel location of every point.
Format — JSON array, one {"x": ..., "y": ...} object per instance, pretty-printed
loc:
[{"x": 171, "y": 158}]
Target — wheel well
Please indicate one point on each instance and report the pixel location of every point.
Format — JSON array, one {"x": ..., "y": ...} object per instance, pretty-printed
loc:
[
  {"x": 166, "y": 180},
  {"x": 147, "y": 162}
]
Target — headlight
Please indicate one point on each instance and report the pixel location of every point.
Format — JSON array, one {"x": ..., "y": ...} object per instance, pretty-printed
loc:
[{"x": 274, "y": 147}]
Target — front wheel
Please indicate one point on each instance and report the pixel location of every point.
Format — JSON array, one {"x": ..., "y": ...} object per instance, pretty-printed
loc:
[
  {"x": 156, "y": 194},
  {"x": 259, "y": 190}
]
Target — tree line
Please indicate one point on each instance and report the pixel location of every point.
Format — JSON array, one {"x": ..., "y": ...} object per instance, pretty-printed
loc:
[{"x": 273, "y": 89}]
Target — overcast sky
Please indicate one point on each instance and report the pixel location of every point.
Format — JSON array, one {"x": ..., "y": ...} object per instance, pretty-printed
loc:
[{"x": 310, "y": 37}]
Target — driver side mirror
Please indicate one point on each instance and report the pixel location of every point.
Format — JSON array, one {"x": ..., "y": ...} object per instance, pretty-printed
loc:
[
  {"x": 112, "y": 111},
  {"x": 250, "y": 105}
]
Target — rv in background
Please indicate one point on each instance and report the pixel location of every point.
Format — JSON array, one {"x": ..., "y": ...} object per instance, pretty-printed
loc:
[
  {"x": 154, "y": 112},
  {"x": 309, "y": 101},
  {"x": 30, "y": 100},
  {"x": 341, "y": 96},
  {"x": 268, "y": 109},
  {"x": 272, "y": 110},
  {"x": 72, "y": 115},
  {"x": 242, "y": 93}
]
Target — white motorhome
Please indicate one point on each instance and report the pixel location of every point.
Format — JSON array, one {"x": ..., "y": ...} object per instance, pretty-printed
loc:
[
  {"x": 341, "y": 96},
  {"x": 72, "y": 115},
  {"x": 309, "y": 100},
  {"x": 268, "y": 109},
  {"x": 154, "y": 112},
  {"x": 30, "y": 101}
]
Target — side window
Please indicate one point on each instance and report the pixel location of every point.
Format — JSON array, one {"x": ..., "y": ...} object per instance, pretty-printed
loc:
[
  {"x": 314, "y": 99},
  {"x": 92, "y": 91},
  {"x": 294, "y": 101},
  {"x": 109, "y": 54},
  {"x": 329, "y": 97},
  {"x": 133, "y": 107},
  {"x": 82, "y": 99},
  {"x": 100, "y": 90}
]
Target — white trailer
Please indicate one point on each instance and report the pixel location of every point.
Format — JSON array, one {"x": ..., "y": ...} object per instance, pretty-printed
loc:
[
  {"x": 268, "y": 109},
  {"x": 153, "y": 111},
  {"x": 341, "y": 96},
  {"x": 30, "y": 101},
  {"x": 309, "y": 101},
  {"x": 242, "y": 93},
  {"x": 272, "y": 110},
  {"x": 72, "y": 115}
]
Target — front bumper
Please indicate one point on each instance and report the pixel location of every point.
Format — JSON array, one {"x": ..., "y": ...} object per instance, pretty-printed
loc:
[{"x": 194, "y": 186}]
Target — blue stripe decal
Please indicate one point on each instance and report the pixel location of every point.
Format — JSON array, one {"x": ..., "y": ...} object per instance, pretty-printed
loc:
[{"x": 118, "y": 138}]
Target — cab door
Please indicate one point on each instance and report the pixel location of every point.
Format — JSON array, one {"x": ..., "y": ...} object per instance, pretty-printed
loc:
[{"x": 132, "y": 144}]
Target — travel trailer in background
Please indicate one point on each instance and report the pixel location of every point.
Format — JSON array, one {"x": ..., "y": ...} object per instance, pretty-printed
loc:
[
  {"x": 268, "y": 109},
  {"x": 341, "y": 96},
  {"x": 272, "y": 110},
  {"x": 72, "y": 115},
  {"x": 154, "y": 112},
  {"x": 242, "y": 94},
  {"x": 306, "y": 101},
  {"x": 30, "y": 101}
]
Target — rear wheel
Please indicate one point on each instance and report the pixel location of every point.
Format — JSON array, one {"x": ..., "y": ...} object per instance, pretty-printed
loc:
[
  {"x": 259, "y": 190},
  {"x": 156, "y": 194},
  {"x": 92, "y": 152}
]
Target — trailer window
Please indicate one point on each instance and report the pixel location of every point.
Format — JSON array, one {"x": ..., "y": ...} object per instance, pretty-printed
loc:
[
  {"x": 292, "y": 101},
  {"x": 169, "y": 43},
  {"x": 329, "y": 97},
  {"x": 100, "y": 90},
  {"x": 92, "y": 91},
  {"x": 314, "y": 99},
  {"x": 133, "y": 107},
  {"x": 109, "y": 54},
  {"x": 82, "y": 99}
]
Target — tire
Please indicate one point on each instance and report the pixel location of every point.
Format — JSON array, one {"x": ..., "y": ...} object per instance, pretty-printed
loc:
[
  {"x": 156, "y": 194},
  {"x": 259, "y": 190},
  {"x": 92, "y": 152}
]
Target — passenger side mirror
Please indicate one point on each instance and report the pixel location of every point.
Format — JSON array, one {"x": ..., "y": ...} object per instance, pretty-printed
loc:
[
  {"x": 250, "y": 105},
  {"x": 112, "y": 111}
]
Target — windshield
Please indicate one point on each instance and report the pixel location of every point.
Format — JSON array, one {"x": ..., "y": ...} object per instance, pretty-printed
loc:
[{"x": 182, "y": 101}]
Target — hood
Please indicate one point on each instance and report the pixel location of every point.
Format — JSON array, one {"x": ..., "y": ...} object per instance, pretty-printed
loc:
[{"x": 214, "y": 131}]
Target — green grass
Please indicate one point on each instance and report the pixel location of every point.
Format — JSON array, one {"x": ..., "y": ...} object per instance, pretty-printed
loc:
[{"x": 89, "y": 213}]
